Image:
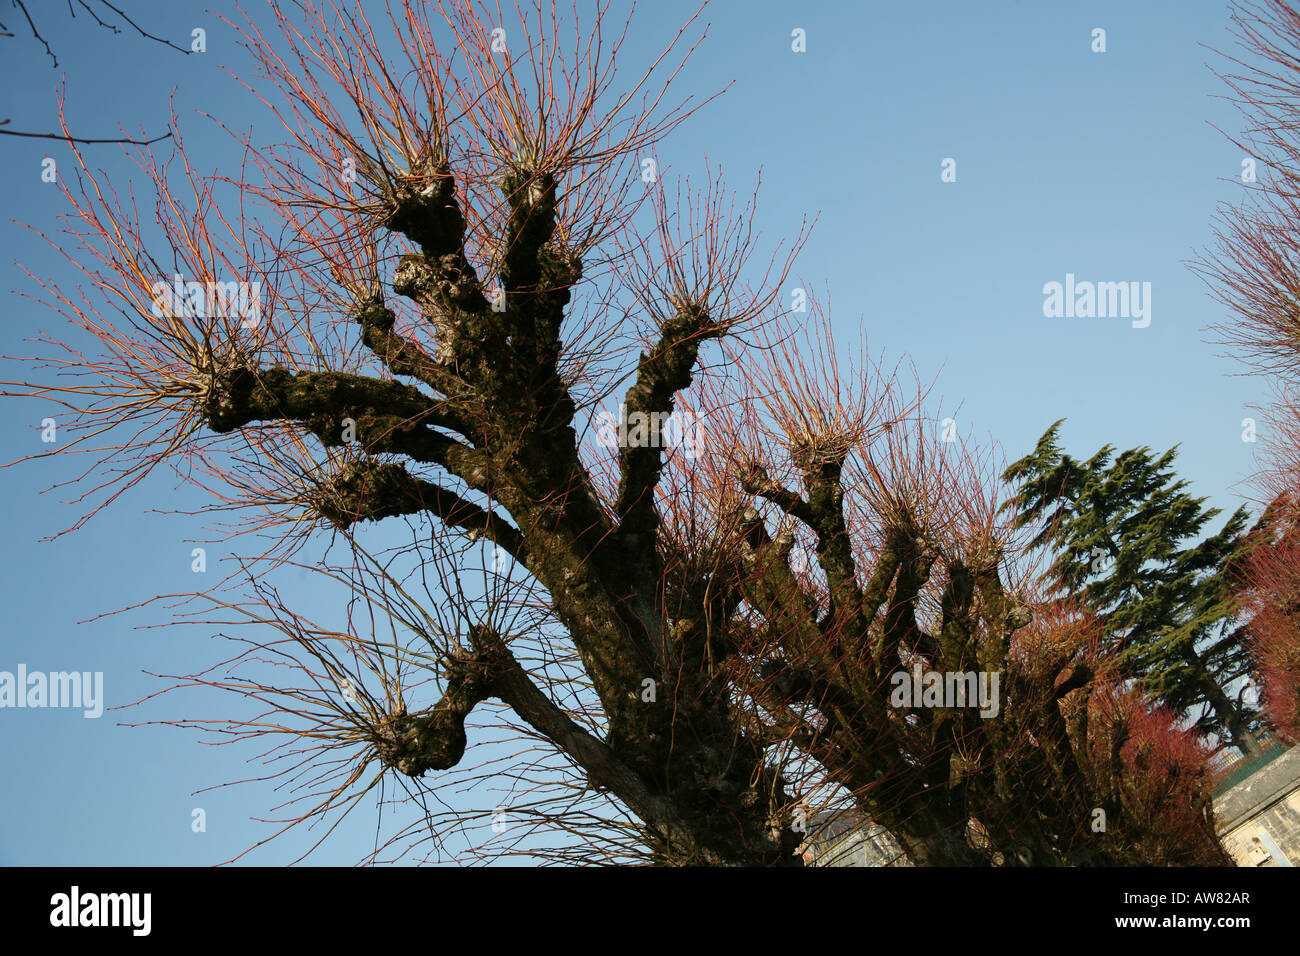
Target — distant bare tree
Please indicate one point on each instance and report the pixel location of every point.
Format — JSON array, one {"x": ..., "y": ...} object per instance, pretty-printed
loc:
[{"x": 1254, "y": 270}]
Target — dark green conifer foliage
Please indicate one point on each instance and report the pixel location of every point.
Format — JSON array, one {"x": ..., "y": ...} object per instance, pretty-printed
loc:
[{"x": 1125, "y": 536}]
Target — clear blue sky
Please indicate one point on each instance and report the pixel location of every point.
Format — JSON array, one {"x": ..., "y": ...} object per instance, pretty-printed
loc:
[{"x": 1068, "y": 161}]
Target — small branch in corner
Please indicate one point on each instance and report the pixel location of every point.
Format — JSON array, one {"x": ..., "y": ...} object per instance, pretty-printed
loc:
[{"x": 81, "y": 139}]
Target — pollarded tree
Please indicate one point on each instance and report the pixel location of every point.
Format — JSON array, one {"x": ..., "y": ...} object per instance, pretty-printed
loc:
[
  {"x": 1118, "y": 781},
  {"x": 406, "y": 329}
]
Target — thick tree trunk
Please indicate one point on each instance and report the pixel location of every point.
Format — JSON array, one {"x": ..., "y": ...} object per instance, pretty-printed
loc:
[{"x": 1242, "y": 737}]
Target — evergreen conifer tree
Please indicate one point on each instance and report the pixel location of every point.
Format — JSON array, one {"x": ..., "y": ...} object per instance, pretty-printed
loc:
[{"x": 1124, "y": 532}]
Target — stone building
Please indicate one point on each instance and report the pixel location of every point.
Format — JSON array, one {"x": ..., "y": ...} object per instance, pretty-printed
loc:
[
  {"x": 847, "y": 838},
  {"x": 1257, "y": 809}
]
